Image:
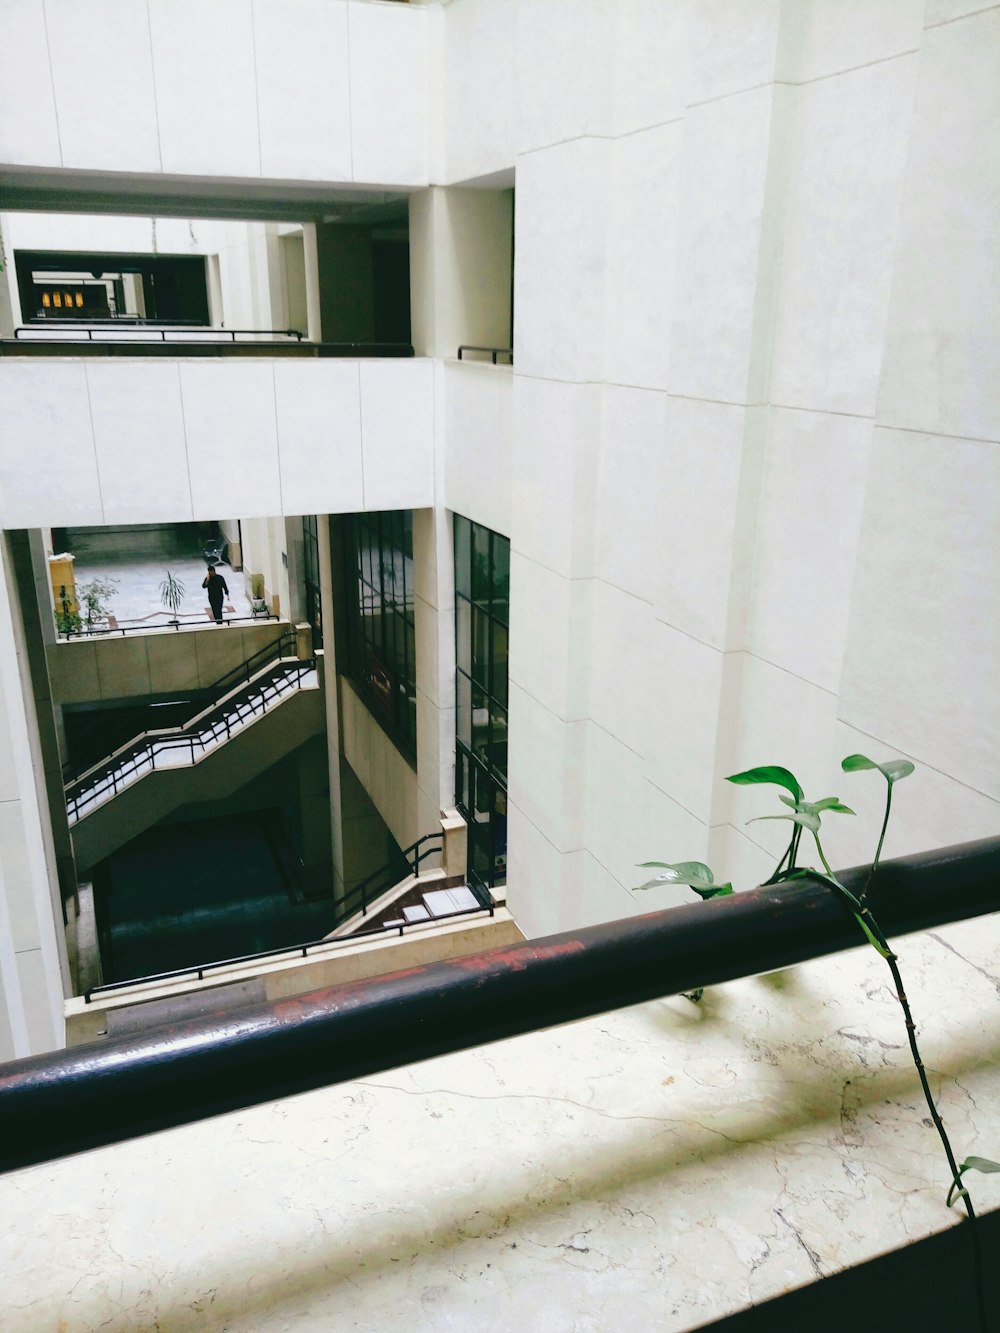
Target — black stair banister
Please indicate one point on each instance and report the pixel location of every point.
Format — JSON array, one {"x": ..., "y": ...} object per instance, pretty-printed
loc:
[
  {"x": 212, "y": 724},
  {"x": 283, "y": 646}
]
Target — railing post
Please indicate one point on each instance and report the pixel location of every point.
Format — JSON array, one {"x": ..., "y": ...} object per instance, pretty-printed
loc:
[
  {"x": 454, "y": 858},
  {"x": 303, "y": 642}
]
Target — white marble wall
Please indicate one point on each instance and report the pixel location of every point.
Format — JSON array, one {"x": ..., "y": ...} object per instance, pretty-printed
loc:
[
  {"x": 754, "y": 484},
  {"x": 330, "y": 90},
  {"x": 138, "y": 441}
]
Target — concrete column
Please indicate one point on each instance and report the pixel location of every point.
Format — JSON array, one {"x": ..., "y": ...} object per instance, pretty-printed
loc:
[
  {"x": 434, "y": 617},
  {"x": 314, "y": 327},
  {"x": 33, "y": 965},
  {"x": 461, "y": 252}
]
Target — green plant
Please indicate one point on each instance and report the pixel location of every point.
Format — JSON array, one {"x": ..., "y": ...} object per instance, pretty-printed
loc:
[
  {"x": 94, "y": 598},
  {"x": 67, "y": 622},
  {"x": 172, "y": 593},
  {"x": 808, "y": 816}
]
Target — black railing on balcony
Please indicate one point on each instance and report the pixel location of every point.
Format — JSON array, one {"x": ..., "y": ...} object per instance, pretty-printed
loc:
[
  {"x": 202, "y": 342},
  {"x": 151, "y": 627},
  {"x": 491, "y": 352},
  {"x": 158, "y": 331},
  {"x": 126, "y": 1086}
]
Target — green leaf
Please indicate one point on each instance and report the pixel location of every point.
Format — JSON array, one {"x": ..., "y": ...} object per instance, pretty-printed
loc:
[
  {"x": 716, "y": 891},
  {"x": 892, "y": 770},
  {"x": 831, "y": 803},
  {"x": 970, "y": 1164},
  {"x": 770, "y": 773},
  {"x": 788, "y": 800},
  {"x": 804, "y": 817},
  {"x": 695, "y": 874}
]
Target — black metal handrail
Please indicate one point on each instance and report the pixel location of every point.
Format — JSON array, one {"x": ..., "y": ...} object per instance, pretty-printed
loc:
[
  {"x": 180, "y": 346},
  {"x": 157, "y": 333},
  {"x": 206, "y": 728},
  {"x": 144, "y": 627},
  {"x": 125, "y": 1086},
  {"x": 200, "y": 970},
  {"x": 361, "y": 895},
  {"x": 492, "y": 352},
  {"x": 283, "y": 646}
]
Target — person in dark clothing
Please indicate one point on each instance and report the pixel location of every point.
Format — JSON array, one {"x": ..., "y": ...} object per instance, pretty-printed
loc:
[{"x": 217, "y": 589}]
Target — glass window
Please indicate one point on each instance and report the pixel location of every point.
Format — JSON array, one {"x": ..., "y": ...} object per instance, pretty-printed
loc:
[
  {"x": 482, "y": 583},
  {"x": 381, "y": 656}
]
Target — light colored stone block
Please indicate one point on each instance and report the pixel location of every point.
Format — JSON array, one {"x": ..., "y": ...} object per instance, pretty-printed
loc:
[
  {"x": 819, "y": 39},
  {"x": 29, "y": 131},
  {"x": 941, "y": 363},
  {"x": 477, "y": 443},
  {"x": 809, "y": 525},
  {"x": 622, "y": 656},
  {"x": 301, "y": 81},
  {"x": 846, "y": 161},
  {"x": 229, "y": 419},
  {"x": 555, "y": 449},
  {"x": 478, "y": 89},
  {"x": 546, "y": 770},
  {"x": 397, "y": 434},
  {"x": 631, "y": 491},
  {"x": 388, "y": 81},
  {"x": 105, "y": 123},
  {"x": 319, "y": 436},
  {"x": 561, "y": 263},
  {"x": 206, "y": 95},
  {"x": 723, "y": 178},
  {"x": 47, "y": 434},
  {"x": 563, "y": 79},
  {"x": 642, "y": 256},
  {"x": 139, "y": 432},
  {"x": 921, "y": 663},
  {"x": 552, "y": 667}
]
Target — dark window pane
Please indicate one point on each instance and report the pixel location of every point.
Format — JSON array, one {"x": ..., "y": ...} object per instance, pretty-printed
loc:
[
  {"x": 499, "y": 684},
  {"x": 480, "y": 647},
  {"x": 501, "y": 570},
  {"x": 463, "y": 557},
  {"x": 463, "y": 636},
  {"x": 480, "y": 564}
]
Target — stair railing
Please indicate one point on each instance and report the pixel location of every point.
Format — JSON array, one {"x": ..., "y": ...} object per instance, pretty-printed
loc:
[{"x": 208, "y": 727}]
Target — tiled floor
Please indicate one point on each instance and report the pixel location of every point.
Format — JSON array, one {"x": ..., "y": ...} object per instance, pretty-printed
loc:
[{"x": 137, "y": 599}]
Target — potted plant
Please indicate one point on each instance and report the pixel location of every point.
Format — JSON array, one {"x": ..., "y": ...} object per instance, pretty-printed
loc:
[
  {"x": 171, "y": 595},
  {"x": 94, "y": 600},
  {"x": 258, "y": 606}
]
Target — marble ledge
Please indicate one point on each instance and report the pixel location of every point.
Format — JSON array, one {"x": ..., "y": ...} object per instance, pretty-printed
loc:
[{"x": 658, "y": 1167}]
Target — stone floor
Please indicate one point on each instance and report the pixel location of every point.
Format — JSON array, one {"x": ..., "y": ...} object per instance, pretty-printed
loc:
[
  {"x": 137, "y": 599},
  {"x": 651, "y": 1169}
]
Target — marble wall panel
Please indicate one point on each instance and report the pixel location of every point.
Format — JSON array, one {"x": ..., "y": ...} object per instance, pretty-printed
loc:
[{"x": 102, "y": 71}]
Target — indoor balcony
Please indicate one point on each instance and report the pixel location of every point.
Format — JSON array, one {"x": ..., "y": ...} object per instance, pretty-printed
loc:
[
  {"x": 659, "y": 1166},
  {"x": 135, "y": 440}
]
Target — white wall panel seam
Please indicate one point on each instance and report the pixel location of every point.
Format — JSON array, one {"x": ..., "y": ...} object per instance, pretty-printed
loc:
[
  {"x": 960, "y": 18},
  {"x": 256, "y": 93},
  {"x": 52, "y": 81},
  {"x": 152, "y": 69},
  {"x": 187, "y": 456},
  {"x": 542, "y": 834},
  {"x": 350, "y": 122},
  {"x": 848, "y": 69},
  {"x": 277, "y": 437},
  {"x": 663, "y": 791},
  {"x": 93, "y": 437},
  {"x": 361, "y": 435}
]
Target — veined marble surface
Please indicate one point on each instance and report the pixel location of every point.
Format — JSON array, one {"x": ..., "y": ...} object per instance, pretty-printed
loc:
[{"x": 651, "y": 1169}]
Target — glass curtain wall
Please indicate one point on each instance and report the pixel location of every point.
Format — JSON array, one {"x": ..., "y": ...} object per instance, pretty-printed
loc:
[
  {"x": 482, "y": 592},
  {"x": 311, "y": 577},
  {"x": 381, "y": 642}
]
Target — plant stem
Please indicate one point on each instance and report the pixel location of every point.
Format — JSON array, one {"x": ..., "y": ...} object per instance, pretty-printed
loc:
[
  {"x": 778, "y": 868},
  {"x": 794, "y": 849},
  {"x": 878, "y": 851},
  {"x": 911, "y": 1032}
]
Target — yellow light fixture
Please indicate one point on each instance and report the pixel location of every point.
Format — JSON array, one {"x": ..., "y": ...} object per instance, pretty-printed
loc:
[
  {"x": 45, "y": 300},
  {"x": 57, "y": 299},
  {"x": 79, "y": 300}
]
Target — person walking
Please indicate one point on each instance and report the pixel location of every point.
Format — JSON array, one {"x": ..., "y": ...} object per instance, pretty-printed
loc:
[{"x": 217, "y": 589}]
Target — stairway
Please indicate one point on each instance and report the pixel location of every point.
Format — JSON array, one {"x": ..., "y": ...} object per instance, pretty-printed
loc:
[{"x": 213, "y": 754}]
